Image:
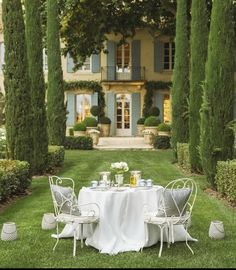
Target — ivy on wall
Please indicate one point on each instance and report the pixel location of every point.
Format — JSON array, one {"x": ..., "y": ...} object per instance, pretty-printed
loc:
[
  {"x": 150, "y": 87},
  {"x": 92, "y": 86}
]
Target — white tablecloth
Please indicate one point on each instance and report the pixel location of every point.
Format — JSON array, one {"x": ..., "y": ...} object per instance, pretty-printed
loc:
[{"x": 121, "y": 226}]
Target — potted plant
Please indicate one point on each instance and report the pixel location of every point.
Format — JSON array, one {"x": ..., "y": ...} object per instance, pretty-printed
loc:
[
  {"x": 151, "y": 123},
  {"x": 79, "y": 129},
  {"x": 90, "y": 123},
  {"x": 140, "y": 126},
  {"x": 154, "y": 111},
  {"x": 164, "y": 129},
  {"x": 105, "y": 124}
]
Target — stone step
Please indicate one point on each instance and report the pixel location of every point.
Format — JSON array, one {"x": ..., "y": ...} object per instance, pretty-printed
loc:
[{"x": 122, "y": 143}]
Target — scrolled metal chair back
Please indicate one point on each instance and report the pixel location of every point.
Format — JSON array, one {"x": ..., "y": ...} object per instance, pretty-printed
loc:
[
  {"x": 60, "y": 201},
  {"x": 183, "y": 194}
]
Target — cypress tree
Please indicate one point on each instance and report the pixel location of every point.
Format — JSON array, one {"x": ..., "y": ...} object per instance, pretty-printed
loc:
[
  {"x": 16, "y": 83},
  {"x": 216, "y": 142},
  {"x": 198, "y": 52},
  {"x": 35, "y": 64},
  {"x": 180, "y": 88},
  {"x": 56, "y": 110}
]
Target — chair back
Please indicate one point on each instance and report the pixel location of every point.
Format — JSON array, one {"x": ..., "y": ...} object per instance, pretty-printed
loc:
[
  {"x": 179, "y": 197},
  {"x": 63, "y": 195}
]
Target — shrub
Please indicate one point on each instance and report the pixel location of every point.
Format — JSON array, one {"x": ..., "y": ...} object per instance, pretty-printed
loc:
[
  {"x": 80, "y": 127},
  {"x": 71, "y": 132},
  {"x": 90, "y": 122},
  {"x": 161, "y": 142},
  {"x": 164, "y": 127},
  {"x": 82, "y": 143},
  {"x": 141, "y": 121},
  {"x": 154, "y": 111},
  {"x": 55, "y": 158},
  {"x": 2, "y": 143},
  {"x": 14, "y": 178},
  {"x": 183, "y": 155},
  {"x": 95, "y": 110},
  {"x": 151, "y": 121},
  {"x": 226, "y": 179},
  {"x": 105, "y": 120}
]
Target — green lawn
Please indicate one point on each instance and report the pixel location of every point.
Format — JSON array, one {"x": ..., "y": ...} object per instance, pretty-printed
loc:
[{"x": 33, "y": 248}]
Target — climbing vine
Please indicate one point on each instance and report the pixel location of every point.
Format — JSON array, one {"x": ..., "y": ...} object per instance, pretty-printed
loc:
[{"x": 150, "y": 86}]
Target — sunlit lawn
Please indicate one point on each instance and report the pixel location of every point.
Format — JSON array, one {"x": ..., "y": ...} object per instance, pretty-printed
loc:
[{"x": 33, "y": 248}]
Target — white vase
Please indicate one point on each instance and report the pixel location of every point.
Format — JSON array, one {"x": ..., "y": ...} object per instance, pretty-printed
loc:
[
  {"x": 9, "y": 232},
  {"x": 119, "y": 179},
  {"x": 48, "y": 221},
  {"x": 216, "y": 230}
]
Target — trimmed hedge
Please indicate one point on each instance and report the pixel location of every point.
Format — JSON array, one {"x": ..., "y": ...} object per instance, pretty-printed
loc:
[
  {"x": 82, "y": 143},
  {"x": 161, "y": 142},
  {"x": 225, "y": 179},
  {"x": 56, "y": 156},
  {"x": 183, "y": 156},
  {"x": 14, "y": 178}
]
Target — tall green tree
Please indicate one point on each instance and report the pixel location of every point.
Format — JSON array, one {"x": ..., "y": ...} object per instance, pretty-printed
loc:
[
  {"x": 16, "y": 83},
  {"x": 198, "y": 52},
  {"x": 216, "y": 142},
  {"x": 56, "y": 110},
  {"x": 35, "y": 64},
  {"x": 180, "y": 88}
]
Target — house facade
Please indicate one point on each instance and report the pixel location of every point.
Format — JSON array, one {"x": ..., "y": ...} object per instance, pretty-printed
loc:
[{"x": 123, "y": 72}]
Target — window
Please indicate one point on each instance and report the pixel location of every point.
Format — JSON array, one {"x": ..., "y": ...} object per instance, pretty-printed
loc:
[
  {"x": 86, "y": 65},
  {"x": 166, "y": 108},
  {"x": 169, "y": 54},
  {"x": 83, "y": 105},
  {"x": 2, "y": 52},
  {"x": 123, "y": 58},
  {"x": 45, "y": 60}
]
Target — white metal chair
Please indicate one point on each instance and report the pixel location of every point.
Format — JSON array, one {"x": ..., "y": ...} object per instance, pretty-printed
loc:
[
  {"x": 178, "y": 198},
  {"x": 68, "y": 211}
]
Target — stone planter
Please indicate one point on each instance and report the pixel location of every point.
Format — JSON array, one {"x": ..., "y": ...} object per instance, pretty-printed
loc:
[
  {"x": 152, "y": 130},
  {"x": 95, "y": 138},
  {"x": 48, "y": 221},
  {"x": 105, "y": 130},
  {"x": 140, "y": 129},
  {"x": 89, "y": 128},
  {"x": 79, "y": 133},
  {"x": 164, "y": 133},
  {"x": 148, "y": 138}
]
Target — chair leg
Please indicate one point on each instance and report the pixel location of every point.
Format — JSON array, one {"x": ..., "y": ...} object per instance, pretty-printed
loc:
[
  {"x": 74, "y": 247},
  {"x": 187, "y": 241},
  {"x": 167, "y": 236},
  {"x": 57, "y": 238},
  {"x": 81, "y": 235},
  {"x": 161, "y": 244}
]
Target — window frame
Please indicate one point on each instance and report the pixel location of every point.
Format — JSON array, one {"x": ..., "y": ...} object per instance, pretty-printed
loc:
[{"x": 171, "y": 53}]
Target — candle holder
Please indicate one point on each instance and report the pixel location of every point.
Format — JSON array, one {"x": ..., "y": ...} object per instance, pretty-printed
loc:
[
  {"x": 9, "y": 232},
  {"x": 105, "y": 176}
]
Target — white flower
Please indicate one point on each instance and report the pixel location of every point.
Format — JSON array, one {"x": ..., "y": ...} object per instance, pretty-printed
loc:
[{"x": 119, "y": 167}]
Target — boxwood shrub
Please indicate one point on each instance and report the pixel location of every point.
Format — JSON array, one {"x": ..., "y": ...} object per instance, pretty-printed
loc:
[
  {"x": 183, "y": 156},
  {"x": 14, "y": 178},
  {"x": 56, "y": 156},
  {"x": 225, "y": 179},
  {"x": 161, "y": 142},
  {"x": 82, "y": 143}
]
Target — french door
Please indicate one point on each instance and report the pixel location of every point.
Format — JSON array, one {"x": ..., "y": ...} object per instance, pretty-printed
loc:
[{"x": 123, "y": 114}]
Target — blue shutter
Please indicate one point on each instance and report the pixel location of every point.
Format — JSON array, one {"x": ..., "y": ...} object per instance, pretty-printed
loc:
[
  {"x": 158, "y": 56},
  {"x": 111, "y": 113},
  {"x": 136, "y": 69},
  {"x": 70, "y": 64},
  {"x": 94, "y": 99},
  {"x": 136, "y": 111},
  {"x": 96, "y": 63},
  {"x": 71, "y": 116},
  {"x": 111, "y": 63},
  {"x": 159, "y": 103}
]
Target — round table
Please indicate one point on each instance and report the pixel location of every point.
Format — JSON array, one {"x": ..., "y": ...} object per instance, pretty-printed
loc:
[{"x": 121, "y": 226}]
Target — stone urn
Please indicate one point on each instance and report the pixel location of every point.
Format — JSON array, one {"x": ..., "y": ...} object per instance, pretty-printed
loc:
[
  {"x": 94, "y": 134},
  {"x": 140, "y": 129}
]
